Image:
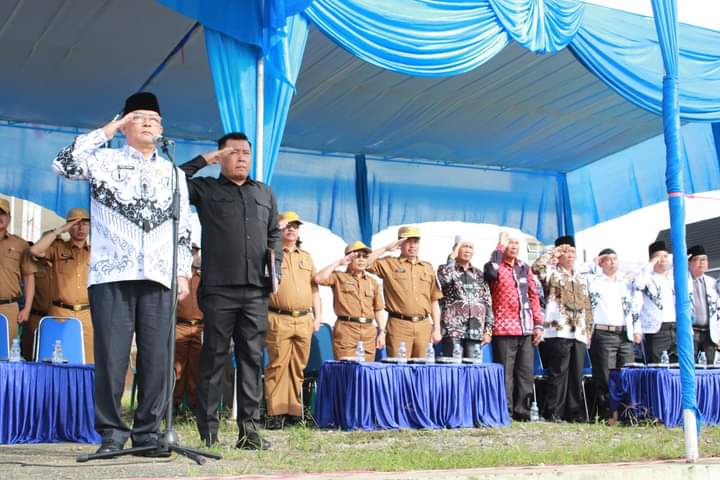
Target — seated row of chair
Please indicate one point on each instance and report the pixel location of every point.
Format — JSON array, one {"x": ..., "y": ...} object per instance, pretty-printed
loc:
[{"x": 50, "y": 329}]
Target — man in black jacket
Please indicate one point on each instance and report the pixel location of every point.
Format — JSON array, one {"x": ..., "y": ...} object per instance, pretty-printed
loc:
[{"x": 239, "y": 224}]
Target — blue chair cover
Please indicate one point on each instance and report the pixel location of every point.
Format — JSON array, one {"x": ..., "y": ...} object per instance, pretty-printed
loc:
[
  {"x": 4, "y": 337},
  {"x": 320, "y": 350},
  {"x": 373, "y": 396},
  {"x": 587, "y": 366},
  {"x": 656, "y": 392},
  {"x": 539, "y": 371},
  {"x": 42, "y": 403},
  {"x": 66, "y": 329}
]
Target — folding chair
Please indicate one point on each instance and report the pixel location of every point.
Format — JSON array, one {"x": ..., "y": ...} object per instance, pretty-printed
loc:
[
  {"x": 68, "y": 330},
  {"x": 539, "y": 371},
  {"x": 487, "y": 353},
  {"x": 4, "y": 337}
]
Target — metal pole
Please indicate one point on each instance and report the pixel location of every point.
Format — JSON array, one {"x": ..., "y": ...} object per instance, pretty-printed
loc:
[{"x": 260, "y": 118}]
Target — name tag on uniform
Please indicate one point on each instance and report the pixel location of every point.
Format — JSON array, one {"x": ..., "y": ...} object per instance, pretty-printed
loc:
[
  {"x": 400, "y": 270},
  {"x": 125, "y": 167}
]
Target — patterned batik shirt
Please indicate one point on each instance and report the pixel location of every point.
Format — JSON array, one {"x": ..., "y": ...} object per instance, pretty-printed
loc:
[
  {"x": 131, "y": 210},
  {"x": 568, "y": 312},
  {"x": 466, "y": 304}
]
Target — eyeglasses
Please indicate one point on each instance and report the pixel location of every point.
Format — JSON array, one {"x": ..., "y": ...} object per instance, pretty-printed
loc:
[
  {"x": 293, "y": 226},
  {"x": 362, "y": 255},
  {"x": 140, "y": 118}
]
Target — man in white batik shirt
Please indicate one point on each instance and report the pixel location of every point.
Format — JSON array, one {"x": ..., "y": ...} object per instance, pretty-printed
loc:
[{"x": 130, "y": 274}]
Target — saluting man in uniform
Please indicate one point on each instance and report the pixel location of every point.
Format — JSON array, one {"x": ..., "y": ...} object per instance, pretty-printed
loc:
[
  {"x": 357, "y": 302},
  {"x": 294, "y": 314},
  {"x": 411, "y": 292},
  {"x": 70, "y": 261},
  {"x": 14, "y": 262},
  {"x": 41, "y": 303}
]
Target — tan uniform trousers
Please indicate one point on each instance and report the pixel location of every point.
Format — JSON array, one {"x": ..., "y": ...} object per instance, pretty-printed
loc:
[
  {"x": 416, "y": 336},
  {"x": 10, "y": 310},
  {"x": 288, "y": 345},
  {"x": 346, "y": 335},
  {"x": 86, "y": 320},
  {"x": 28, "y": 336},
  {"x": 188, "y": 343}
]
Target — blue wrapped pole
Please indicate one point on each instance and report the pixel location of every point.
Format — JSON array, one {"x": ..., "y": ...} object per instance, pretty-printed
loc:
[{"x": 666, "y": 24}]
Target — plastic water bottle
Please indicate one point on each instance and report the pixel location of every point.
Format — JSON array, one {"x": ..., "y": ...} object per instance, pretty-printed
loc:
[
  {"x": 430, "y": 353},
  {"x": 457, "y": 352},
  {"x": 402, "y": 353},
  {"x": 57, "y": 355},
  {"x": 477, "y": 352},
  {"x": 664, "y": 358},
  {"x": 534, "y": 412},
  {"x": 15, "y": 351},
  {"x": 360, "y": 351},
  {"x": 702, "y": 360}
]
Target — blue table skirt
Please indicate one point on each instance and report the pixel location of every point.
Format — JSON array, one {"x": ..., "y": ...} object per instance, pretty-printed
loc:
[
  {"x": 655, "y": 392},
  {"x": 43, "y": 403},
  {"x": 374, "y": 396}
]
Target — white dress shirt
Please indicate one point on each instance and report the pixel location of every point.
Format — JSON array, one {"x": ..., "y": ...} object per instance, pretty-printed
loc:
[
  {"x": 615, "y": 303},
  {"x": 130, "y": 209}
]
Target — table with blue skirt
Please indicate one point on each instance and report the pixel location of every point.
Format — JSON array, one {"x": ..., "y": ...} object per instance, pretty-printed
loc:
[
  {"x": 376, "y": 396},
  {"x": 656, "y": 393},
  {"x": 44, "y": 403}
]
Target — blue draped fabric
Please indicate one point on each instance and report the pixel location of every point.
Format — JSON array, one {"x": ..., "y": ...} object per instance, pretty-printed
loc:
[
  {"x": 42, "y": 403},
  {"x": 363, "y": 200},
  {"x": 658, "y": 392},
  {"x": 373, "y": 396},
  {"x": 623, "y": 50},
  {"x": 667, "y": 25},
  {"x": 234, "y": 70}
]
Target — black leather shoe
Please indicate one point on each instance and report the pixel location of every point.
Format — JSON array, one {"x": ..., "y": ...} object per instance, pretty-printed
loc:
[
  {"x": 275, "y": 422},
  {"x": 252, "y": 441},
  {"x": 210, "y": 439},
  {"x": 109, "y": 447},
  {"x": 293, "y": 420}
]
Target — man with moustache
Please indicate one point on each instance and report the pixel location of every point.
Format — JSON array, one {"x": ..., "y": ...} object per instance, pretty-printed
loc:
[
  {"x": 411, "y": 292},
  {"x": 130, "y": 272},
  {"x": 70, "y": 261},
  {"x": 239, "y": 230}
]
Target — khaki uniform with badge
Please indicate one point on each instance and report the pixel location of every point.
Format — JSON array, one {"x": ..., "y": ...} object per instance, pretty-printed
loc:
[
  {"x": 70, "y": 265},
  {"x": 290, "y": 329},
  {"x": 188, "y": 340},
  {"x": 14, "y": 263},
  {"x": 356, "y": 299},
  {"x": 410, "y": 288},
  {"x": 41, "y": 304}
]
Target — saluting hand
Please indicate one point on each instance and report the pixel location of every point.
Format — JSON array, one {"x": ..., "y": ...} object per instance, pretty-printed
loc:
[
  {"x": 66, "y": 227},
  {"x": 183, "y": 288},
  {"x": 215, "y": 155},
  {"x": 116, "y": 124},
  {"x": 395, "y": 245},
  {"x": 347, "y": 259}
]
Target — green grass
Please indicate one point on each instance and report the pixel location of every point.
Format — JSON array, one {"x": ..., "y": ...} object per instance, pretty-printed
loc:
[{"x": 302, "y": 449}]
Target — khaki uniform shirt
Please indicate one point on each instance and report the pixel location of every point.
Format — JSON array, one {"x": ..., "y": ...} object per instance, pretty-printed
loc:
[
  {"x": 13, "y": 263},
  {"x": 43, "y": 285},
  {"x": 409, "y": 288},
  {"x": 355, "y": 296},
  {"x": 295, "y": 289},
  {"x": 70, "y": 271},
  {"x": 188, "y": 308}
]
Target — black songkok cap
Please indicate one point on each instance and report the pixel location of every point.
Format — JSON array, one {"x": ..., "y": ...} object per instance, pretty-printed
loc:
[
  {"x": 565, "y": 240},
  {"x": 606, "y": 251},
  {"x": 655, "y": 247},
  {"x": 696, "y": 250},
  {"x": 141, "y": 101}
]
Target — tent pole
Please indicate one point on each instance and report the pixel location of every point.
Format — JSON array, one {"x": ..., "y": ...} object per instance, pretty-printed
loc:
[{"x": 259, "y": 119}]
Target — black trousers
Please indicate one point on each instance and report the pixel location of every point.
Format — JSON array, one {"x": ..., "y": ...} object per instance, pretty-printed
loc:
[
  {"x": 663, "y": 340},
  {"x": 564, "y": 359},
  {"x": 239, "y": 312},
  {"x": 703, "y": 343},
  {"x": 516, "y": 355},
  {"x": 118, "y": 310},
  {"x": 467, "y": 344},
  {"x": 609, "y": 350}
]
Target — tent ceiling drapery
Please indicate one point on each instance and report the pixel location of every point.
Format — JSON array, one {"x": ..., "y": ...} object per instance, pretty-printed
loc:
[{"x": 72, "y": 63}]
